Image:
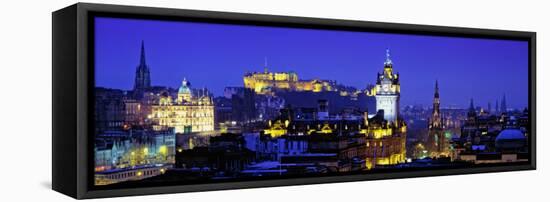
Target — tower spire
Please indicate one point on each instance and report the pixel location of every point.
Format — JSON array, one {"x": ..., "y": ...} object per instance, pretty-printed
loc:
[
  {"x": 503, "y": 107},
  {"x": 388, "y": 59},
  {"x": 142, "y": 57},
  {"x": 142, "y": 80},
  {"x": 436, "y": 139},
  {"x": 472, "y": 104},
  {"x": 436, "y": 117}
]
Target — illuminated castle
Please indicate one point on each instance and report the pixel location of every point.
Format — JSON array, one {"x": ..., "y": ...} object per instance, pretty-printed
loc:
[
  {"x": 387, "y": 91},
  {"x": 189, "y": 112},
  {"x": 268, "y": 82}
]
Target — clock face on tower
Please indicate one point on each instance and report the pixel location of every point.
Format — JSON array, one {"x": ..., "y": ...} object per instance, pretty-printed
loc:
[{"x": 386, "y": 87}]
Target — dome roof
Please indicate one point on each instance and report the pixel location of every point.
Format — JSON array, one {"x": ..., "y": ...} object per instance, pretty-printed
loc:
[
  {"x": 510, "y": 139},
  {"x": 184, "y": 88},
  {"x": 510, "y": 134}
]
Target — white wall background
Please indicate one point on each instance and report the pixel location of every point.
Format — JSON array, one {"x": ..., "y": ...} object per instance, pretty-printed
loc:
[{"x": 25, "y": 99}]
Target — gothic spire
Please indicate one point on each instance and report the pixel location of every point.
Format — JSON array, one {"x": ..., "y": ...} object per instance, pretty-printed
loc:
[
  {"x": 435, "y": 113},
  {"x": 142, "y": 57},
  {"x": 142, "y": 80},
  {"x": 503, "y": 107}
]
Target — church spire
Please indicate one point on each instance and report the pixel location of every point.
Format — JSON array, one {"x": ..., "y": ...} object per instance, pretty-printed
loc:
[
  {"x": 142, "y": 80},
  {"x": 142, "y": 57}
]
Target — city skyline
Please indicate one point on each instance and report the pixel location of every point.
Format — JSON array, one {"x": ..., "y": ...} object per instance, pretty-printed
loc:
[
  {"x": 298, "y": 116},
  {"x": 465, "y": 68}
]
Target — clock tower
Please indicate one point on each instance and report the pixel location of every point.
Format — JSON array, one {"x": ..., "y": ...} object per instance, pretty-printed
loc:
[{"x": 387, "y": 91}]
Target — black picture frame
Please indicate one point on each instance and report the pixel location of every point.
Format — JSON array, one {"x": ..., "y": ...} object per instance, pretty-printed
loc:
[{"x": 73, "y": 76}]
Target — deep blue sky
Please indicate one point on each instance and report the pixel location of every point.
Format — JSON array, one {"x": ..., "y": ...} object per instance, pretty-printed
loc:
[{"x": 215, "y": 56}]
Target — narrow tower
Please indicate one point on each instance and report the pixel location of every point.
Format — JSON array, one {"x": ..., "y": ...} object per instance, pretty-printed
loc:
[
  {"x": 472, "y": 116},
  {"x": 437, "y": 144},
  {"x": 497, "y": 110},
  {"x": 388, "y": 91},
  {"x": 503, "y": 107},
  {"x": 142, "y": 81}
]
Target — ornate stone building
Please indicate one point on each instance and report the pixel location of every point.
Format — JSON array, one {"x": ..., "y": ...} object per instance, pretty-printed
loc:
[{"x": 191, "y": 111}]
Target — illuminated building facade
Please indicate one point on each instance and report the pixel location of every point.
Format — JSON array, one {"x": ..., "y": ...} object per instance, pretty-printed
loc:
[
  {"x": 387, "y": 91},
  {"x": 188, "y": 112},
  {"x": 381, "y": 143},
  {"x": 268, "y": 82},
  {"x": 385, "y": 132},
  {"x": 133, "y": 154},
  {"x": 386, "y": 142}
]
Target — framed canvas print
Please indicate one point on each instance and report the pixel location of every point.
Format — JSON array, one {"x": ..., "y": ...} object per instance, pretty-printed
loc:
[{"x": 153, "y": 100}]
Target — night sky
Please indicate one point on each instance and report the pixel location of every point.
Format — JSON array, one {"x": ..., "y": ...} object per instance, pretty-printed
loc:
[{"x": 216, "y": 56}]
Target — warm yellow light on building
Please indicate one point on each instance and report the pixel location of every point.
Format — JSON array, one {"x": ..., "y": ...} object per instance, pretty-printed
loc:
[
  {"x": 265, "y": 82},
  {"x": 382, "y": 161},
  {"x": 163, "y": 149},
  {"x": 145, "y": 150}
]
